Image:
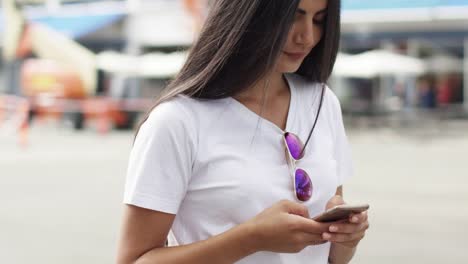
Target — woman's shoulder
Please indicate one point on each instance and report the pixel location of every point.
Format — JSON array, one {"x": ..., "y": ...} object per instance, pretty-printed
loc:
[
  {"x": 170, "y": 115},
  {"x": 171, "y": 109},
  {"x": 185, "y": 109}
]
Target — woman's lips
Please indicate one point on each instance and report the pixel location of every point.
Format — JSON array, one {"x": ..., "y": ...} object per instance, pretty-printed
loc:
[{"x": 294, "y": 55}]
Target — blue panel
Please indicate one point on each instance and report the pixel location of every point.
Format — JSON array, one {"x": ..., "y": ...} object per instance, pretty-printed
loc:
[
  {"x": 453, "y": 3},
  {"x": 396, "y": 4},
  {"x": 77, "y": 26}
]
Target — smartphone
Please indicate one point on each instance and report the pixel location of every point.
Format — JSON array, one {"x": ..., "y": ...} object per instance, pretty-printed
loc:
[{"x": 341, "y": 212}]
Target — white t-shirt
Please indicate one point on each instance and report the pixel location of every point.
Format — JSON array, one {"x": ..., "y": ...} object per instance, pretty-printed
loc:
[{"x": 194, "y": 158}]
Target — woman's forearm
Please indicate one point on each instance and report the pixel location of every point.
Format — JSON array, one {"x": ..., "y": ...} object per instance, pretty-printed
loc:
[
  {"x": 227, "y": 247},
  {"x": 340, "y": 254}
]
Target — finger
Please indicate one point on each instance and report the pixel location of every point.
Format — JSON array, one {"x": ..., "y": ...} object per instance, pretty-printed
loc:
[
  {"x": 310, "y": 226},
  {"x": 311, "y": 239},
  {"x": 358, "y": 218},
  {"x": 343, "y": 237},
  {"x": 295, "y": 208},
  {"x": 348, "y": 228},
  {"x": 334, "y": 201},
  {"x": 318, "y": 242}
]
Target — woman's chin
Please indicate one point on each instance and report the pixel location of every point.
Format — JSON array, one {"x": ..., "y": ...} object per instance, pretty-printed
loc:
[{"x": 290, "y": 69}]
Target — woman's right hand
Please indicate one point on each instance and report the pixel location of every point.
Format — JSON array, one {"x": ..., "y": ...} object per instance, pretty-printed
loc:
[{"x": 286, "y": 227}]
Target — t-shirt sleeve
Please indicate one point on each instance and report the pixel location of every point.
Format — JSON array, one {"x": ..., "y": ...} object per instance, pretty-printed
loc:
[
  {"x": 342, "y": 150},
  {"x": 160, "y": 163}
]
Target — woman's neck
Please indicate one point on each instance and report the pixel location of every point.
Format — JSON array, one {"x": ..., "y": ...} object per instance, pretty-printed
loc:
[{"x": 276, "y": 86}]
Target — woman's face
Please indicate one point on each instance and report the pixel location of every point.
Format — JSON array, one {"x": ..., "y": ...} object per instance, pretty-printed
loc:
[{"x": 305, "y": 33}]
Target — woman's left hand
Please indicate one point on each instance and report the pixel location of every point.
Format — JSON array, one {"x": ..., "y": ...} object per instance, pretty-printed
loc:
[{"x": 348, "y": 232}]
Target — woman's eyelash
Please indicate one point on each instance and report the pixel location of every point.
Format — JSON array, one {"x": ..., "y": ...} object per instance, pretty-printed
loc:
[
  {"x": 319, "y": 22},
  {"x": 315, "y": 21}
]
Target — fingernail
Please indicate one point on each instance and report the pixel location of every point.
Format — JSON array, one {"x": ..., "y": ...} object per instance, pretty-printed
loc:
[
  {"x": 333, "y": 228},
  {"x": 355, "y": 219},
  {"x": 326, "y": 236}
]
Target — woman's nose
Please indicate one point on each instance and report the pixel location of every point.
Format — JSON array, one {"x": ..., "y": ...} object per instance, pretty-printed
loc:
[{"x": 306, "y": 35}]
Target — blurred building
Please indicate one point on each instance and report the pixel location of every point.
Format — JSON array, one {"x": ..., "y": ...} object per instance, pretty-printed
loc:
[{"x": 435, "y": 31}]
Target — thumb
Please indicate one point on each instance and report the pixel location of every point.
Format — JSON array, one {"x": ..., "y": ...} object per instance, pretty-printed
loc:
[
  {"x": 334, "y": 201},
  {"x": 297, "y": 209}
]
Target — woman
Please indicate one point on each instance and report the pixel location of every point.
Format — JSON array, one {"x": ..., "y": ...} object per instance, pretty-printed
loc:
[{"x": 209, "y": 162}]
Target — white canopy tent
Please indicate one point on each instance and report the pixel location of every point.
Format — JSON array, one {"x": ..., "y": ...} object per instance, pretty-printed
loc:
[
  {"x": 374, "y": 63},
  {"x": 155, "y": 65},
  {"x": 378, "y": 63},
  {"x": 345, "y": 66}
]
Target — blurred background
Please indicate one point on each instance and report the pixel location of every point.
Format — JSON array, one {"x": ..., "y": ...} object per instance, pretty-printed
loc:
[{"x": 76, "y": 77}]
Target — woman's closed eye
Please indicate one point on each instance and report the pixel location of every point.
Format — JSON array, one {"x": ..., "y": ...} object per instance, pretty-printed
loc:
[{"x": 320, "y": 19}]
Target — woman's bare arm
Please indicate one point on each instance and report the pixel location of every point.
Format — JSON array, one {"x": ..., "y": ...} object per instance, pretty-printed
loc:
[
  {"x": 144, "y": 233},
  {"x": 285, "y": 227}
]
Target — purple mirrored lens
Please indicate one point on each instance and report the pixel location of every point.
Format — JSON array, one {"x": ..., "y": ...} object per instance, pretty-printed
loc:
[
  {"x": 294, "y": 145},
  {"x": 303, "y": 185}
]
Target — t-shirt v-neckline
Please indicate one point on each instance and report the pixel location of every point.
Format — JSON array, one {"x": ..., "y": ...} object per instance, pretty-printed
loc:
[{"x": 291, "y": 110}]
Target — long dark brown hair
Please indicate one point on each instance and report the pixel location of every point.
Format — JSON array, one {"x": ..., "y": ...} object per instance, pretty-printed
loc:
[{"x": 240, "y": 42}]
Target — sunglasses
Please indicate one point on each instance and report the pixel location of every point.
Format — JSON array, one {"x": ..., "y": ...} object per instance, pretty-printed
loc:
[
  {"x": 303, "y": 187},
  {"x": 294, "y": 152}
]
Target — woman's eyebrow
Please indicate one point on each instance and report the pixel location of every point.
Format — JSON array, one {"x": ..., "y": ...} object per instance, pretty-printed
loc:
[{"x": 303, "y": 12}]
